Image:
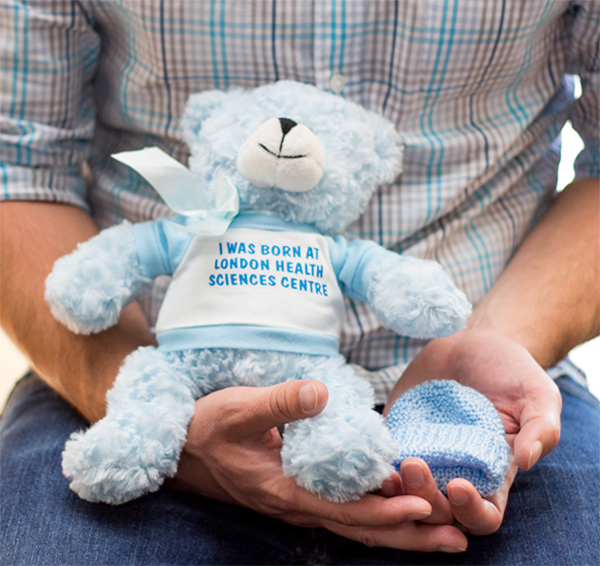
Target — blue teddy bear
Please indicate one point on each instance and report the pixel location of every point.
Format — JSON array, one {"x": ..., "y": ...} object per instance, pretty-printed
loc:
[{"x": 258, "y": 271}]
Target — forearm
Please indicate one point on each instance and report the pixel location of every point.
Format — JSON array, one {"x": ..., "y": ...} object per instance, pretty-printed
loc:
[
  {"x": 547, "y": 298},
  {"x": 79, "y": 368}
]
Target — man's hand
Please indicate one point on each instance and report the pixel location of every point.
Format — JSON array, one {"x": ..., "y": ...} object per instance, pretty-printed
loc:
[
  {"x": 544, "y": 303},
  {"x": 233, "y": 455},
  {"x": 527, "y": 400}
]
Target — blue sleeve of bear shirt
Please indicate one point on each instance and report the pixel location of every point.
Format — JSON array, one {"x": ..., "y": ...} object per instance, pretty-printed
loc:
[
  {"x": 354, "y": 264},
  {"x": 160, "y": 246}
]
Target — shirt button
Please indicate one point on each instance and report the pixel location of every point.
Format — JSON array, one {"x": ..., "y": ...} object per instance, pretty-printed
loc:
[{"x": 337, "y": 82}]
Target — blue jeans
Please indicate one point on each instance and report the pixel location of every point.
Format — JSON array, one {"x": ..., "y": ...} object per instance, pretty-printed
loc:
[{"x": 552, "y": 515}]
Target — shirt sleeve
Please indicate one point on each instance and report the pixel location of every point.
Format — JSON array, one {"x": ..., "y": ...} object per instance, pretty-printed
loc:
[
  {"x": 585, "y": 62},
  {"x": 160, "y": 246},
  {"x": 48, "y": 57},
  {"x": 353, "y": 262}
]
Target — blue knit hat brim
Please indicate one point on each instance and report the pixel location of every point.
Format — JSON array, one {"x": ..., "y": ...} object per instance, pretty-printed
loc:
[
  {"x": 455, "y": 430},
  {"x": 456, "y": 451}
]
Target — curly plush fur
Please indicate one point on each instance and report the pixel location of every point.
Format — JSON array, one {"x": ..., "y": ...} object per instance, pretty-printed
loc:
[
  {"x": 363, "y": 150},
  {"x": 430, "y": 304},
  {"x": 346, "y": 450},
  {"x": 138, "y": 443},
  {"x": 87, "y": 290}
]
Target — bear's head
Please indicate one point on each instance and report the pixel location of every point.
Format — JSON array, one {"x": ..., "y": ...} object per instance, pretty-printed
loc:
[{"x": 309, "y": 156}]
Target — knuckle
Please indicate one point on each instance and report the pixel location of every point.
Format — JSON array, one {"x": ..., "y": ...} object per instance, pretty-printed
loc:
[
  {"x": 283, "y": 503},
  {"x": 280, "y": 403},
  {"x": 489, "y": 529},
  {"x": 554, "y": 434},
  {"x": 272, "y": 505},
  {"x": 232, "y": 414},
  {"x": 488, "y": 526},
  {"x": 369, "y": 539},
  {"x": 273, "y": 501},
  {"x": 556, "y": 396},
  {"x": 348, "y": 519}
]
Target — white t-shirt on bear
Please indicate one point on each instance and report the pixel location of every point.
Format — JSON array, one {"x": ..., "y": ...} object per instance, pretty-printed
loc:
[
  {"x": 266, "y": 284},
  {"x": 255, "y": 278}
]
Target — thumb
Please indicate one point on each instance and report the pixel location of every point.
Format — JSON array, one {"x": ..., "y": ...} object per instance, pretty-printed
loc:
[
  {"x": 268, "y": 407},
  {"x": 540, "y": 428},
  {"x": 537, "y": 438}
]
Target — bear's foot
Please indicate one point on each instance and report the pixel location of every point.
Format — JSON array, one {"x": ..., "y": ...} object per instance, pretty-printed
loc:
[
  {"x": 107, "y": 464},
  {"x": 340, "y": 456}
]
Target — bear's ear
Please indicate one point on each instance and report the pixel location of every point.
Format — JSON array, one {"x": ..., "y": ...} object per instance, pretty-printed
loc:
[
  {"x": 390, "y": 148},
  {"x": 198, "y": 108}
]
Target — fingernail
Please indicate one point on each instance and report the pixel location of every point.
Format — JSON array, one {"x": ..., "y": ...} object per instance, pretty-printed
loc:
[
  {"x": 309, "y": 397},
  {"x": 458, "y": 495},
  {"x": 413, "y": 475},
  {"x": 534, "y": 453},
  {"x": 419, "y": 516},
  {"x": 451, "y": 549}
]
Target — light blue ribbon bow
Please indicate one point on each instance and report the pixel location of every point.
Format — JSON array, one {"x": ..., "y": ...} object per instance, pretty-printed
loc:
[{"x": 181, "y": 191}]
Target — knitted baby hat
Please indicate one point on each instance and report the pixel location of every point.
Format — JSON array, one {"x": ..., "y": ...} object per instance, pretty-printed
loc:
[{"x": 453, "y": 428}]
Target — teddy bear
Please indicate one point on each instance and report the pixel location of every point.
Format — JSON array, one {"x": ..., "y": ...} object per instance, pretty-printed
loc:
[{"x": 259, "y": 274}]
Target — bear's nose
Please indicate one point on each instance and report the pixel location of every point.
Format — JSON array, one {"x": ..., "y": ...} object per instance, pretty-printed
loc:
[
  {"x": 282, "y": 154},
  {"x": 286, "y": 125}
]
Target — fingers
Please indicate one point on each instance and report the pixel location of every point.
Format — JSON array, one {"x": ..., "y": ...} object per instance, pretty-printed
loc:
[
  {"x": 375, "y": 521},
  {"x": 263, "y": 408},
  {"x": 417, "y": 480},
  {"x": 478, "y": 515},
  {"x": 373, "y": 511},
  {"x": 407, "y": 536},
  {"x": 397, "y": 521},
  {"x": 540, "y": 426}
]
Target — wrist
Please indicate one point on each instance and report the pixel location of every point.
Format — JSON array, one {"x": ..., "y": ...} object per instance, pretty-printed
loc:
[{"x": 546, "y": 339}]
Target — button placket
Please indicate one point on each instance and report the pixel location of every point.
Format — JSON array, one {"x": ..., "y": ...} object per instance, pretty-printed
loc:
[{"x": 328, "y": 45}]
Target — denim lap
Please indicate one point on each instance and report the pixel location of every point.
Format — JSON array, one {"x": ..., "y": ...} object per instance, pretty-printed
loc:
[{"x": 552, "y": 517}]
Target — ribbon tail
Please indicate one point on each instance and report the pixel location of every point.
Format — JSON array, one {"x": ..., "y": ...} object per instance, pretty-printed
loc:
[
  {"x": 172, "y": 180},
  {"x": 227, "y": 198},
  {"x": 182, "y": 192}
]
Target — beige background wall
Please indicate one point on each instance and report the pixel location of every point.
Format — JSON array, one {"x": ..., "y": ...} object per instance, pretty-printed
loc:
[{"x": 12, "y": 366}]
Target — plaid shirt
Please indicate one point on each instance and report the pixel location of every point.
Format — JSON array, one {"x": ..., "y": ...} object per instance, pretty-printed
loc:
[{"x": 478, "y": 89}]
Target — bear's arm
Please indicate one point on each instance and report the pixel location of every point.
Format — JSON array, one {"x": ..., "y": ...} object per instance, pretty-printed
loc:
[
  {"x": 88, "y": 288},
  {"x": 414, "y": 297}
]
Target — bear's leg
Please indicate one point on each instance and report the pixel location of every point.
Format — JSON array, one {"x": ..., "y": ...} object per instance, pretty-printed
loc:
[
  {"x": 137, "y": 444},
  {"x": 345, "y": 451}
]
